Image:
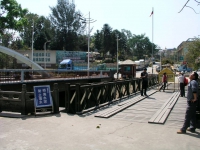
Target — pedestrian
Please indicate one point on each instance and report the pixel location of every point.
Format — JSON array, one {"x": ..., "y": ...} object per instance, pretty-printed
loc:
[
  {"x": 164, "y": 82},
  {"x": 192, "y": 98},
  {"x": 144, "y": 76},
  {"x": 181, "y": 84}
]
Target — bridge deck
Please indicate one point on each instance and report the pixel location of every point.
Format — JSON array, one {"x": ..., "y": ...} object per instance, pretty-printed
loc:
[{"x": 144, "y": 110}]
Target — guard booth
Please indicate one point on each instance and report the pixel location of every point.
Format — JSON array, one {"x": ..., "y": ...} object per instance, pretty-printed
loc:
[
  {"x": 127, "y": 69},
  {"x": 170, "y": 78}
]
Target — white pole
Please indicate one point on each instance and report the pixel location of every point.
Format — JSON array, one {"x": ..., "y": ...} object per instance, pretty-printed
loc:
[
  {"x": 89, "y": 45},
  {"x": 32, "y": 41},
  {"x": 160, "y": 61},
  {"x": 117, "y": 57},
  {"x": 45, "y": 55},
  {"x": 152, "y": 39}
]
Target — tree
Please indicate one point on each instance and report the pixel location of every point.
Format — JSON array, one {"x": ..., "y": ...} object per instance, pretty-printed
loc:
[
  {"x": 44, "y": 32},
  {"x": 67, "y": 25},
  {"x": 106, "y": 31},
  {"x": 12, "y": 16},
  {"x": 98, "y": 40},
  {"x": 193, "y": 54},
  {"x": 141, "y": 46},
  {"x": 198, "y": 3},
  {"x": 28, "y": 30}
]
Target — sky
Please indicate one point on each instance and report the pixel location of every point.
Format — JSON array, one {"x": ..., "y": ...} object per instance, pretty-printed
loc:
[{"x": 167, "y": 28}]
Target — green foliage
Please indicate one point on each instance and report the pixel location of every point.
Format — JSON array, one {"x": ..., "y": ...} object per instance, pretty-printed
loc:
[
  {"x": 167, "y": 61},
  {"x": 193, "y": 54},
  {"x": 141, "y": 46},
  {"x": 29, "y": 29},
  {"x": 68, "y": 24},
  {"x": 12, "y": 16}
]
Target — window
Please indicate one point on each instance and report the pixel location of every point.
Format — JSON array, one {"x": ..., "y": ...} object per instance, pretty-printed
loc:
[{"x": 127, "y": 69}]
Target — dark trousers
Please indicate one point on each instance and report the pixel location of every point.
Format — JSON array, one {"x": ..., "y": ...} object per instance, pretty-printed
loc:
[
  {"x": 144, "y": 88},
  {"x": 163, "y": 86},
  {"x": 182, "y": 89},
  {"x": 190, "y": 116}
]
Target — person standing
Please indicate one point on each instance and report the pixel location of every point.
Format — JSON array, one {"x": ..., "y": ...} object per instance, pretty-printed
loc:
[
  {"x": 164, "y": 82},
  {"x": 144, "y": 76},
  {"x": 181, "y": 83},
  {"x": 192, "y": 98}
]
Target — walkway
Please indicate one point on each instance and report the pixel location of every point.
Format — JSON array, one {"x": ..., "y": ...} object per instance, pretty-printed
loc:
[{"x": 126, "y": 130}]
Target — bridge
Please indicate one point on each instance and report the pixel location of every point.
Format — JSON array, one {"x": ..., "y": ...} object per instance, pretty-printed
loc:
[{"x": 20, "y": 57}]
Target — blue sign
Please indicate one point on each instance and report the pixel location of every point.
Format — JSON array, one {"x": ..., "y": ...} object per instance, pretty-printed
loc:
[{"x": 42, "y": 96}]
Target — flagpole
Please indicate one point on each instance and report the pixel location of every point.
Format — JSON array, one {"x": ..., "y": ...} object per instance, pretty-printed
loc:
[{"x": 152, "y": 38}]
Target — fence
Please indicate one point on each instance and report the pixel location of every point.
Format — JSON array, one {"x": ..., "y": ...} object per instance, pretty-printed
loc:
[
  {"x": 20, "y": 75},
  {"x": 79, "y": 98},
  {"x": 23, "y": 102}
]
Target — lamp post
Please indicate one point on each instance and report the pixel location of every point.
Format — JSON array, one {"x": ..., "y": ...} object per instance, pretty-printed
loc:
[
  {"x": 117, "y": 58},
  {"x": 88, "y": 20},
  {"x": 32, "y": 41},
  {"x": 160, "y": 61},
  {"x": 45, "y": 53},
  {"x": 88, "y": 45}
]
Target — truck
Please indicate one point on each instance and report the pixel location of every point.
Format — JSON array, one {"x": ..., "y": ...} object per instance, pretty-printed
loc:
[
  {"x": 139, "y": 65},
  {"x": 184, "y": 68},
  {"x": 66, "y": 64}
]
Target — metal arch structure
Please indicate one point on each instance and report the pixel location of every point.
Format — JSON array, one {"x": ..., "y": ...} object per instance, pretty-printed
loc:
[{"x": 20, "y": 57}]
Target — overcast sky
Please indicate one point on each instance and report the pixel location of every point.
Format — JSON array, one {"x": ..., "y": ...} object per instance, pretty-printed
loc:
[{"x": 170, "y": 28}]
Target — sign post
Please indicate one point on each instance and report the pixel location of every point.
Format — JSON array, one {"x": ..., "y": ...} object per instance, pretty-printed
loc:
[{"x": 43, "y": 99}]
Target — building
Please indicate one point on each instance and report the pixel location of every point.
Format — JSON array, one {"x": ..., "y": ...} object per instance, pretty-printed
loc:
[
  {"x": 52, "y": 57},
  {"x": 182, "y": 49}
]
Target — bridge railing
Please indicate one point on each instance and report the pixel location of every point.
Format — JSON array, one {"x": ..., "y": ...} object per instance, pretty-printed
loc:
[
  {"x": 22, "y": 75},
  {"x": 23, "y": 101},
  {"x": 79, "y": 98},
  {"x": 82, "y": 98}
]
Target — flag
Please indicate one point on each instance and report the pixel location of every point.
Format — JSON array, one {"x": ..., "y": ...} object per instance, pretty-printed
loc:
[{"x": 151, "y": 14}]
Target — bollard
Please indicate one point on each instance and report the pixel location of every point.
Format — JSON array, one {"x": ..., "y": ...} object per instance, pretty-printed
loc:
[
  {"x": 23, "y": 100},
  {"x": 22, "y": 75},
  {"x": 67, "y": 97},
  {"x": 77, "y": 100},
  {"x": 56, "y": 98}
]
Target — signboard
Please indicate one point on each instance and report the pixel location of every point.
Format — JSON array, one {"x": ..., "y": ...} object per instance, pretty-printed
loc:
[
  {"x": 76, "y": 56},
  {"x": 181, "y": 58},
  {"x": 169, "y": 73},
  {"x": 42, "y": 96}
]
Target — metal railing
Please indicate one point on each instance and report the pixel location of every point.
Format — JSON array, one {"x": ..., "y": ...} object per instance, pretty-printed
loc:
[{"x": 22, "y": 75}]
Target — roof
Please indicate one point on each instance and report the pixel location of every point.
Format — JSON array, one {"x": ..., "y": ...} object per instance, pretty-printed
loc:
[
  {"x": 66, "y": 61},
  {"x": 127, "y": 62}
]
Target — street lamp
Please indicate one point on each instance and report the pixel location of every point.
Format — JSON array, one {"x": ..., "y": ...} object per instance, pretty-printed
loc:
[
  {"x": 32, "y": 41},
  {"x": 160, "y": 61},
  {"x": 45, "y": 49},
  {"x": 88, "y": 20},
  {"x": 117, "y": 57}
]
